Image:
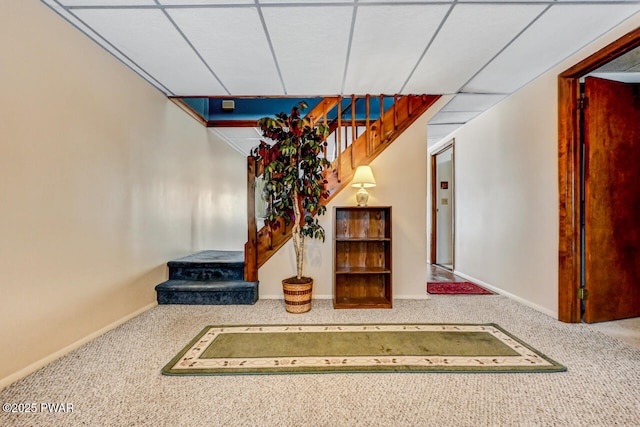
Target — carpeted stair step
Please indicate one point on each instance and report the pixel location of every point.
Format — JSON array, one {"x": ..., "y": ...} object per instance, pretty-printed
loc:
[
  {"x": 208, "y": 265},
  {"x": 208, "y": 277},
  {"x": 207, "y": 292}
]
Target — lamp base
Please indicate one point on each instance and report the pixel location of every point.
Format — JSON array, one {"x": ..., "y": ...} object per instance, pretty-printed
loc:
[{"x": 362, "y": 197}]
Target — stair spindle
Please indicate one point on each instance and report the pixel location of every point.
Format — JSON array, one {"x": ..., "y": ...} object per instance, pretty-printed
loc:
[
  {"x": 395, "y": 112},
  {"x": 381, "y": 131},
  {"x": 324, "y": 121},
  {"x": 339, "y": 139},
  {"x": 353, "y": 118},
  {"x": 367, "y": 125}
]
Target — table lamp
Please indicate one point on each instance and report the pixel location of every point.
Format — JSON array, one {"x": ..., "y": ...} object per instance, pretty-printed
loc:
[{"x": 363, "y": 179}]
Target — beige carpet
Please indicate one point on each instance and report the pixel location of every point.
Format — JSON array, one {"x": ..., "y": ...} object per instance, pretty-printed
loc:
[
  {"x": 627, "y": 330},
  {"x": 115, "y": 380}
]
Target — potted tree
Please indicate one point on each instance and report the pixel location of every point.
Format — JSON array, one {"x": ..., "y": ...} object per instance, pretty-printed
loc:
[{"x": 294, "y": 186}]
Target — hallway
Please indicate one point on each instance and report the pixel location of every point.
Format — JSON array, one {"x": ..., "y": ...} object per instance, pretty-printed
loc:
[
  {"x": 435, "y": 273},
  {"x": 626, "y": 330}
]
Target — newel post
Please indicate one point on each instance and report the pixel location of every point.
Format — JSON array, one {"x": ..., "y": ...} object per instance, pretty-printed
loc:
[{"x": 251, "y": 247}]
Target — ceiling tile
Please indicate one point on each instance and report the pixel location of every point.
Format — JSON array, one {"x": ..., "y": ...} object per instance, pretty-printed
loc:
[
  {"x": 107, "y": 2},
  {"x": 232, "y": 41},
  {"x": 466, "y": 43},
  {"x": 473, "y": 102},
  {"x": 312, "y": 61},
  {"x": 595, "y": 1},
  {"x": 73, "y": 20},
  {"x": 299, "y": 2},
  {"x": 436, "y": 133},
  {"x": 242, "y": 139},
  {"x": 514, "y": 1},
  {"x": 387, "y": 44},
  {"x": 204, "y": 2},
  {"x": 452, "y": 117},
  {"x": 551, "y": 1},
  {"x": 407, "y": 1},
  {"x": 247, "y": 133},
  {"x": 149, "y": 39},
  {"x": 560, "y": 32}
]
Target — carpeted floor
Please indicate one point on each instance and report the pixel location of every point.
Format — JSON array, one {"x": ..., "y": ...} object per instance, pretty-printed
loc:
[{"x": 115, "y": 380}]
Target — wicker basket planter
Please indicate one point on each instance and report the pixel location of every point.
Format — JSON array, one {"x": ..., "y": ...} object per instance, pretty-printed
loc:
[{"x": 297, "y": 295}]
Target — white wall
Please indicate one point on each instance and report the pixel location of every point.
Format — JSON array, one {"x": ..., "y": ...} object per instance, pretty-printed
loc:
[
  {"x": 401, "y": 176},
  {"x": 103, "y": 180},
  {"x": 506, "y": 196},
  {"x": 506, "y": 176}
]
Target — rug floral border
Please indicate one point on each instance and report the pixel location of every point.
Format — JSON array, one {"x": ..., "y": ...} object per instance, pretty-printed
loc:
[{"x": 190, "y": 362}]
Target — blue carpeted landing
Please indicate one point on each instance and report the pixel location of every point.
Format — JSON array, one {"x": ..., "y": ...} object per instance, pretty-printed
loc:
[{"x": 208, "y": 277}]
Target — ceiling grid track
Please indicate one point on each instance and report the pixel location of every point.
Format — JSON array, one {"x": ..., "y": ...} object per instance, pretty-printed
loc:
[
  {"x": 349, "y": 43},
  {"x": 273, "y": 52},
  {"x": 195, "y": 51},
  {"x": 424, "y": 52},
  {"x": 96, "y": 37},
  {"x": 507, "y": 45}
]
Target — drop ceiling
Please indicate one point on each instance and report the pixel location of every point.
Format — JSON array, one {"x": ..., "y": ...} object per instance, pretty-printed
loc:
[{"x": 475, "y": 51}]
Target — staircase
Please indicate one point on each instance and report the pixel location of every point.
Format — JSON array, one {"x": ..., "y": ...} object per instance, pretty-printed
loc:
[
  {"x": 208, "y": 277},
  {"x": 381, "y": 128},
  {"x": 231, "y": 277}
]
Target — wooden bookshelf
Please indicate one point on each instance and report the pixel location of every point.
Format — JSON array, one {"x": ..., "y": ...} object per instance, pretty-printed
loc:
[{"x": 362, "y": 257}]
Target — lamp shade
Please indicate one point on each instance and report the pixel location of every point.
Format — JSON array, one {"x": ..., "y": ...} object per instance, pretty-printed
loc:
[{"x": 363, "y": 178}]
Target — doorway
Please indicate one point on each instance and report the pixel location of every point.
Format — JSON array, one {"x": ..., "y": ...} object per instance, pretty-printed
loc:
[
  {"x": 442, "y": 207},
  {"x": 599, "y": 242}
]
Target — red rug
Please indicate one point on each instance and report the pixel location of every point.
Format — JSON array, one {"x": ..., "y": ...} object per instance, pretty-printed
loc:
[{"x": 456, "y": 288}]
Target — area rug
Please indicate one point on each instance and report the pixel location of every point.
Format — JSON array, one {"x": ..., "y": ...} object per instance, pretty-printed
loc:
[
  {"x": 456, "y": 288},
  {"x": 288, "y": 349}
]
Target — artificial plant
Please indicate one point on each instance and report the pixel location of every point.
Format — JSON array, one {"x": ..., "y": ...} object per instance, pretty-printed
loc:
[{"x": 294, "y": 182}]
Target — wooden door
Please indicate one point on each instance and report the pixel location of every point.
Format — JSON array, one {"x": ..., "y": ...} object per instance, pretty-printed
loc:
[
  {"x": 442, "y": 208},
  {"x": 612, "y": 200}
]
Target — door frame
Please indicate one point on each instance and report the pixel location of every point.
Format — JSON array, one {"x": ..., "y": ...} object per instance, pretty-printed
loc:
[
  {"x": 569, "y": 248},
  {"x": 434, "y": 202}
]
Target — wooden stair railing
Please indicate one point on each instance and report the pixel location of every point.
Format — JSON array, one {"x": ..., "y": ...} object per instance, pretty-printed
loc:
[{"x": 378, "y": 135}]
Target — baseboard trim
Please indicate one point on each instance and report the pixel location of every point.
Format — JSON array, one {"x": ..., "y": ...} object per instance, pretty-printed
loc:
[
  {"x": 7, "y": 381},
  {"x": 412, "y": 296},
  {"x": 502, "y": 292},
  {"x": 417, "y": 296},
  {"x": 280, "y": 296}
]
